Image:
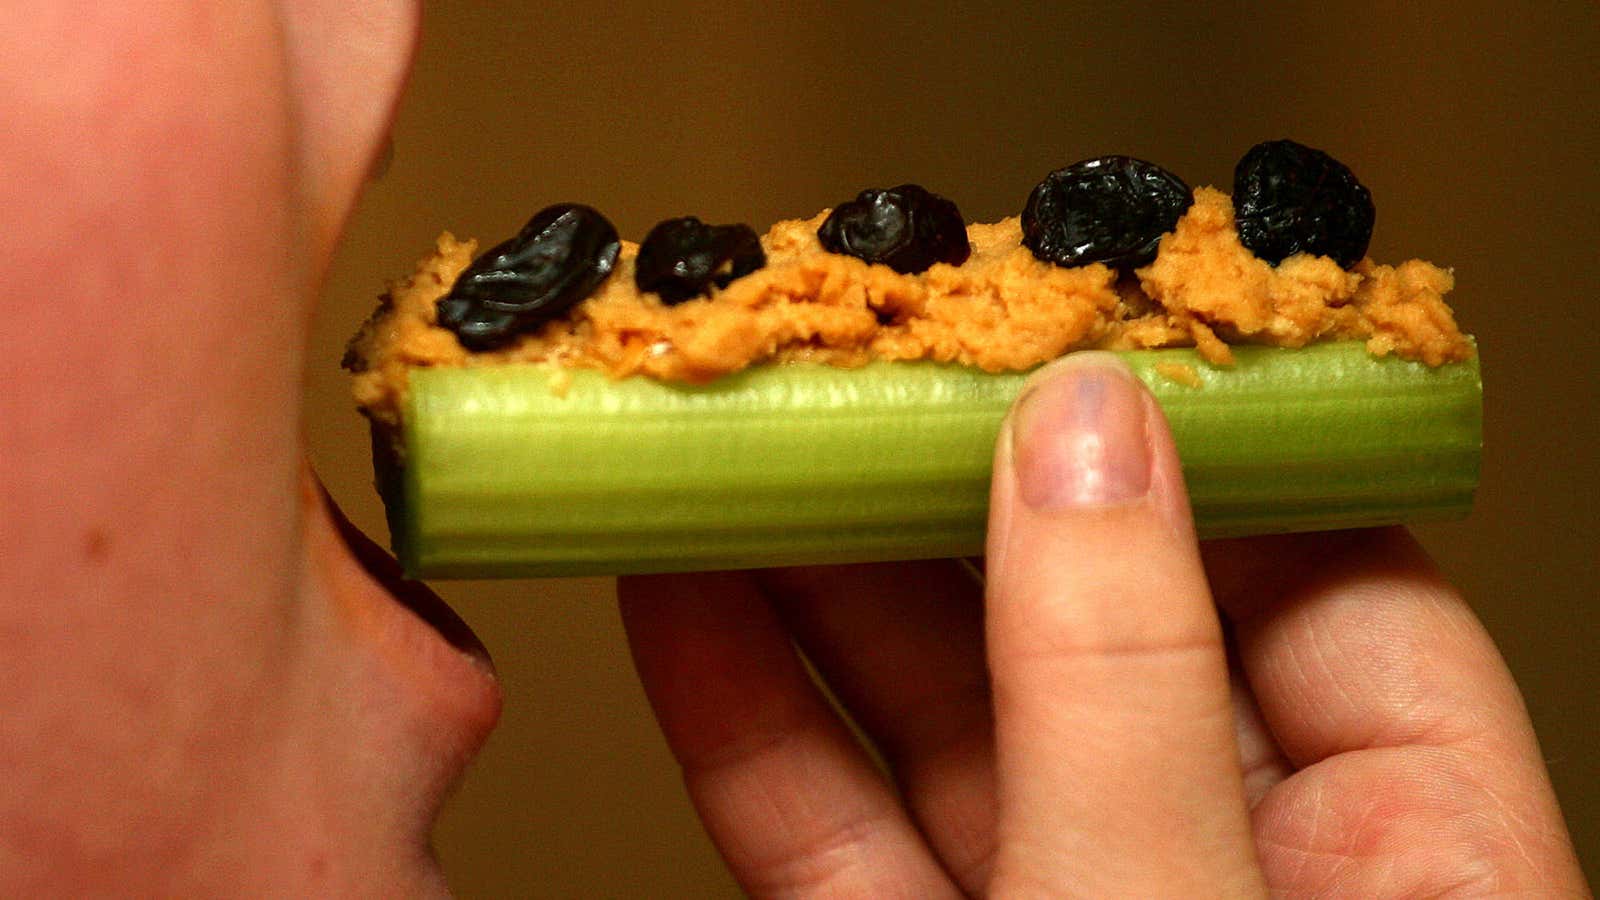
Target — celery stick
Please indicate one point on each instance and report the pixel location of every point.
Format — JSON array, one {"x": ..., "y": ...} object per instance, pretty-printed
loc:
[{"x": 782, "y": 465}]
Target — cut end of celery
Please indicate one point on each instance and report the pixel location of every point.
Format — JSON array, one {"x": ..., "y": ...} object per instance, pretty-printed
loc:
[{"x": 799, "y": 465}]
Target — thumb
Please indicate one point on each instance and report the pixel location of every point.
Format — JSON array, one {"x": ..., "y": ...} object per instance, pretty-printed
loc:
[{"x": 1118, "y": 771}]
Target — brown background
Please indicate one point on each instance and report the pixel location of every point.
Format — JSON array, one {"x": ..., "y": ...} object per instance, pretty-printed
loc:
[{"x": 1474, "y": 125}]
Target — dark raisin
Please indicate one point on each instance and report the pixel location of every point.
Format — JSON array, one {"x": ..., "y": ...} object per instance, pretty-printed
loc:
[
  {"x": 476, "y": 327},
  {"x": 1111, "y": 210},
  {"x": 559, "y": 258},
  {"x": 683, "y": 258},
  {"x": 1289, "y": 198},
  {"x": 907, "y": 228}
]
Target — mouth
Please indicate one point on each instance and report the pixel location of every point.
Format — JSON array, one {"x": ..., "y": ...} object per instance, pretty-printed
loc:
[{"x": 411, "y": 594}]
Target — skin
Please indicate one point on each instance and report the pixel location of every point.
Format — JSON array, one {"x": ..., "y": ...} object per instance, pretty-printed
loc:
[
  {"x": 205, "y": 693},
  {"x": 213, "y": 686},
  {"x": 1111, "y": 710}
]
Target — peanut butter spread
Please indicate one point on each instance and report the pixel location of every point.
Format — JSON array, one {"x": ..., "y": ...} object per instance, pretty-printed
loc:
[{"x": 1001, "y": 310}]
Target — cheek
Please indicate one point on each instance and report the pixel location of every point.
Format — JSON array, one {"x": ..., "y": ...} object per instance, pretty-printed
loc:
[{"x": 153, "y": 315}]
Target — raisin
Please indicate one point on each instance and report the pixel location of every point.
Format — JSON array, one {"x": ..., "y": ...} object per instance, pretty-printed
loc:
[
  {"x": 1112, "y": 210},
  {"x": 476, "y": 327},
  {"x": 559, "y": 258},
  {"x": 1289, "y": 198},
  {"x": 907, "y": 228},
  {"x": 682, "y": 258}
]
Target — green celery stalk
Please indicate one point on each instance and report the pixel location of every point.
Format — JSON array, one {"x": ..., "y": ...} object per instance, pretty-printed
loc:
[{"x": 785, "y": 465}]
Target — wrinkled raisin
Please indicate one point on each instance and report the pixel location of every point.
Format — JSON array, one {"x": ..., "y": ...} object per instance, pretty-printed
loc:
[
  {"x": 907, "y": 228},
  {"x": 475, "y": 327},
  {"x": 1111, "y": 210},
  {"x": 1289, "y": 198},
  {"x": 682, "y": 258},
  {"x": 559, "y": 258}
]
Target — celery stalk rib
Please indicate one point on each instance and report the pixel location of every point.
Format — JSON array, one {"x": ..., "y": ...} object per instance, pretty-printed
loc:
[{"x": 504, "y": 477}]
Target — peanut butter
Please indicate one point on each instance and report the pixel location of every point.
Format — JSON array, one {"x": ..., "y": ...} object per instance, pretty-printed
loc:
[{"x": 1001, "y": 310}]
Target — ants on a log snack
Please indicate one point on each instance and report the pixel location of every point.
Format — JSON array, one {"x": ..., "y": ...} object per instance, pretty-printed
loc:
[{"x": 569, "y": 402}]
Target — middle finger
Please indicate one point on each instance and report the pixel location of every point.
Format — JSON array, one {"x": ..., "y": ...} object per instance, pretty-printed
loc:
[{"x": 901, "y": 646}]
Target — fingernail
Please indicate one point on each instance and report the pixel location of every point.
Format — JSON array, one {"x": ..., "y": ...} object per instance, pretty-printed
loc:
[{"x": 1078, "y": 436}]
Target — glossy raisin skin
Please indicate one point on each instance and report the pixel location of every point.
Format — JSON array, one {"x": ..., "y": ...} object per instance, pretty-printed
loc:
[
  {"x": 559, "y": 258},
  {"x": 1111, "y": 210},
  {"x": 907, "y": 228},
  {"x": 1289, "y": 198},
  {"x": 683, "y": 258}
]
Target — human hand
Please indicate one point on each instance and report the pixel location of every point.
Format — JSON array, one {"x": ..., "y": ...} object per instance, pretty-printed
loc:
[
  {"x": 210, "y": 685},
  {"x": 1085, "y": 724}
]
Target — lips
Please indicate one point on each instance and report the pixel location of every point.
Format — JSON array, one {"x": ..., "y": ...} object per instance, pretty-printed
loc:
[{"x": 411, "y": 594}]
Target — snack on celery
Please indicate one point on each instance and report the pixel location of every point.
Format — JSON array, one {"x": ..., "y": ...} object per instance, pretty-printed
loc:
[{"x": 793, "y": 404}]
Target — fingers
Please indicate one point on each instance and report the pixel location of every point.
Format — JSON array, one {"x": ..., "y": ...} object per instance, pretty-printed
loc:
[
  {"x": 1261, "y": 762},
  {"x": 1354, "y": 642},
  {"x": 1118, "y": 766},
  {"x": 792, "y": 802},
  {"x": 901, "y": 646},
  {"x": 1382, "y": 687}
]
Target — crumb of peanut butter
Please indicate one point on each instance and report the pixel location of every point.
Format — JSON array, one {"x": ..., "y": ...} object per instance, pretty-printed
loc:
[
  {"x": 560, "y": 381},
  {"x": 1179, "y": 373},
  {"x": 1211, "y": 347},
  {"x": 1002, "y": 310}
]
